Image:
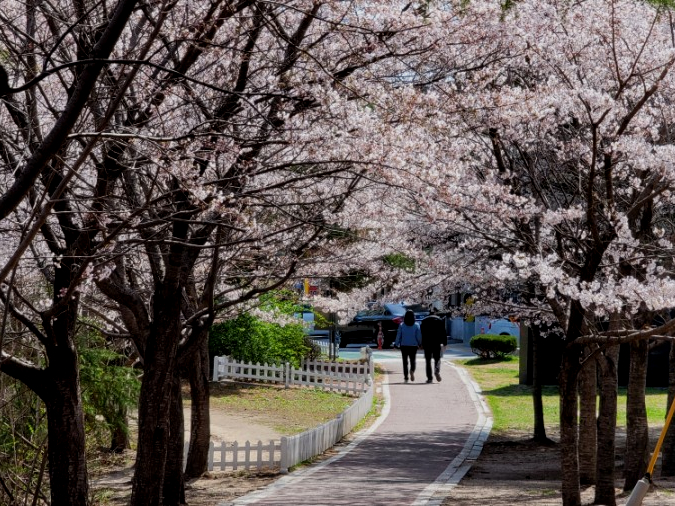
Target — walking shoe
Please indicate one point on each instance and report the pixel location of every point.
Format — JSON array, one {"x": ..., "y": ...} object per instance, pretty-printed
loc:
[
  {"x": 412, "y": 376},
  {"x": 406, "y": 380},
  {"x": 438, "y": 376},
  {"x": 430, "y": 381}
]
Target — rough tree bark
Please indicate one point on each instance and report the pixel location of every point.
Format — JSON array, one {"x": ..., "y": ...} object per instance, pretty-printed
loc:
[
  {"x": 605, "y": 478},
  {"x": 637, "y": 428},
  {"x": 588, "y": 433},
  {"x": 200, "y": 422},
  {"x": 160, "y": 369},
  {"x": 568, "y": 427},
  {"x": 173, "y": 493},
  {"x": 65, "y": 421},
  {"x": 538, "y": 405}
]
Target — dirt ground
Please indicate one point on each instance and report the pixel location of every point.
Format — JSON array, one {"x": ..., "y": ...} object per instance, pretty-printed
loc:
[
  {"x": 514, "y": 470},
  {"x": 113, "y": 488}
]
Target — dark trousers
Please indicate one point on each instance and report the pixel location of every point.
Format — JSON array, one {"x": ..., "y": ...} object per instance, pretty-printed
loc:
[
  {"x": 408, "y": 353},
  {"x": 434, "y": 352}
]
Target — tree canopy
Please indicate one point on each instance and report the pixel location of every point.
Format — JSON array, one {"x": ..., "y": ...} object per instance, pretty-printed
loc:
[{"x": 163, "y": 163}]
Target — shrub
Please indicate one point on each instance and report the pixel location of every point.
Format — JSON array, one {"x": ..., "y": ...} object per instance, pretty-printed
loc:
[
  {"x": 313, "y": 349},
  {"x": 23, "y": 438},
  {"x": 249, "y": 339},
  {"x": 492, "y": 345},
  {"x": 109, "y": 389}
]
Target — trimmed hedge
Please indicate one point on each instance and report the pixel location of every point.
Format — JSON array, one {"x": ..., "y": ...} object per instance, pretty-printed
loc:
[{"x": 492, "y": 345}]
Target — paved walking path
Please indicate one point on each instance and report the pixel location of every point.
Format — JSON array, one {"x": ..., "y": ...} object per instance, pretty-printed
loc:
[{"x": 419, "y": 448}]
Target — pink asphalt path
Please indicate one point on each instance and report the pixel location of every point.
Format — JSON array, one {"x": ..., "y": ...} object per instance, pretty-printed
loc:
[{"x": 417, "y": 450}]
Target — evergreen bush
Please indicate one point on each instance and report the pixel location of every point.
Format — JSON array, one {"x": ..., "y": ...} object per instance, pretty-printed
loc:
[{"x": 492, "y": 345}]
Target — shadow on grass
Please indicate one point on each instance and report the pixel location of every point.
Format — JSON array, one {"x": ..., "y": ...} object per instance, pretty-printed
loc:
[
  {"x": 478, "y": 361},
  {"x": 513, "y": 390},
  {"x": 231, "y": 388},
  {"x": 521, "y": 390}
]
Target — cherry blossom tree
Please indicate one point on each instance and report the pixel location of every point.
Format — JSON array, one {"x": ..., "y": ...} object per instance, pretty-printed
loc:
[
  {"x": 43, "y": 101},
  {"x": 221, "y": 146},
  {"x": 252, "y": 174},
  {"x": 170, "y": 160},
  {"x": 560, "y": 175}
]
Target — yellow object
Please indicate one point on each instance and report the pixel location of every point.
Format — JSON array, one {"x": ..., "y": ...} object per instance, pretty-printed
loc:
[
  {"x": 642, "y": 487},
  {"x": 655, "y": 455}
]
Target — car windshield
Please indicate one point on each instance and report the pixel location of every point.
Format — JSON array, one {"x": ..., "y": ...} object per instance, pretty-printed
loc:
[
  {"x": 395, "y": 309},
  {"x": 417, "y": 308}
]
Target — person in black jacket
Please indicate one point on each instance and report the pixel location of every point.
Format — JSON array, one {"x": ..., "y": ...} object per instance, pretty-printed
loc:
[{"x": 434, "y": 340}]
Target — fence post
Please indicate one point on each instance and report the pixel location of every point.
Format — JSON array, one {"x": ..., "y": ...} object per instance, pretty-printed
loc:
[
  {"x": 227, "y": 366},
  {"x": 283, "y": 460},
  {"x": 247, "y": 455},
  {"x": 270, "y": 453},
  {"x": 215, "y": 368}
]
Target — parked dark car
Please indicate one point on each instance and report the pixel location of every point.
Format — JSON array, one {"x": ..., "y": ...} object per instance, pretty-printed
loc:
[{"x": 363, "y": 327}]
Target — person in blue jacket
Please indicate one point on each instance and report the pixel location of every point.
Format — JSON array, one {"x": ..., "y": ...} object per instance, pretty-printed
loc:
[{"x": 409, "y": 339}]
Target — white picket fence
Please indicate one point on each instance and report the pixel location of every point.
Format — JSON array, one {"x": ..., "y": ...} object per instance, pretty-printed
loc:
[
  {"x": 313, "y": 442},
  {"x": 350, "y": 378},
  {"x": 291, "y": 450},
  {"x": 233, "y": 456}
]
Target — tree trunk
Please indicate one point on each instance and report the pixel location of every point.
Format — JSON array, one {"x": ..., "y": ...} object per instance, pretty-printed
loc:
[
  {"x": 200, "y": 422},
  {"x": 571, "y": 493},
  {"x": 154, "y": 430},
  {"x": 588, "y": 424},
  {"x": 65, "y": 421},
  {"x": 668, "y": 462},
  {"x": 538, "y": 405},
  {"x": 637, "y": 429},
  {"x": 174, "y": 481},
  {"x": 605, "y": 479}
]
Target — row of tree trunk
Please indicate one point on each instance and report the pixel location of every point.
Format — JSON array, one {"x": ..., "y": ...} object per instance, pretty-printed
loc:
[{"x": 588, "y": 398}]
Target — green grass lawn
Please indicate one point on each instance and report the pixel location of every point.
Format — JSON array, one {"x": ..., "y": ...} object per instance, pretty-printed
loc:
[{"x": 511, "y": 403}]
